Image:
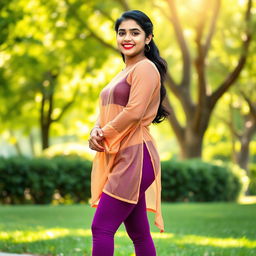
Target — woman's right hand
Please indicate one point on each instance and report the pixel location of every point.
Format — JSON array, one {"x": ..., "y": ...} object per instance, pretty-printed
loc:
[{"x": 95, "y": 140}]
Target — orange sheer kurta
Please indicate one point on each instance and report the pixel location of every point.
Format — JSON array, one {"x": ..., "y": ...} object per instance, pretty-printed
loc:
[{"x": 128, "y": 105}]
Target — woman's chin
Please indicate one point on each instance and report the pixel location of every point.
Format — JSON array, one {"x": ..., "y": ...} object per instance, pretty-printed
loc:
[{"x": 129, "y": 54}]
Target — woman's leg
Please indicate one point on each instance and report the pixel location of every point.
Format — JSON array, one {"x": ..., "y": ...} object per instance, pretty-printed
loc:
[
  {"x": 138, "y": 229},
  {"x": 136, "y": 224},
  {"x": 109, "y": 215},
  {"x": 111, "y": 212}
]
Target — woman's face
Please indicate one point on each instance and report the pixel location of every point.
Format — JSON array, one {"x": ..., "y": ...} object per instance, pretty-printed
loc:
[{"x": 131, "y": 38}]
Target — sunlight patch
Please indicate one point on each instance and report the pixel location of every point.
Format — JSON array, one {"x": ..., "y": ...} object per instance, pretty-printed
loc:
[
  {"x": 216, "y": 241},
  {"x": 32, "y": 236}
]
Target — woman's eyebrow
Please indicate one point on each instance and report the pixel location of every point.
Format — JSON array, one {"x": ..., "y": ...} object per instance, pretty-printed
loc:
[{"x": 132, "y": 29}]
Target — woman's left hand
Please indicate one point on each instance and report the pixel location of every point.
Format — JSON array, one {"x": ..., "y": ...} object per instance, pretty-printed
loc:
[{"x": 95, "y": 140}]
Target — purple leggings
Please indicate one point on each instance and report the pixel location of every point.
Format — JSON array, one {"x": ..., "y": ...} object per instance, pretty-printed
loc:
[{"x": 111, "y": 212}]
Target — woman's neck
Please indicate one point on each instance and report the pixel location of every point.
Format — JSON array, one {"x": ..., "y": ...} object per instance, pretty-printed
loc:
[{"x": 129, "y": 62}]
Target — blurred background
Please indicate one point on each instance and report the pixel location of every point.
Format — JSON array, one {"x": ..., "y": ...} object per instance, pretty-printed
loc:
[{"x": 56, "y": 56}]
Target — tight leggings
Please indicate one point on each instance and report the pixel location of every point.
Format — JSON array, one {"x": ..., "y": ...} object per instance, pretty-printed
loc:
[{"x": 111, "y": 212}]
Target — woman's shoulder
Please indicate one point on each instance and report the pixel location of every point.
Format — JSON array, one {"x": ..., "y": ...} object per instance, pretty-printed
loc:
[
  {"x": 145, "y": 67},
  {"x": 146, "y": 63}
]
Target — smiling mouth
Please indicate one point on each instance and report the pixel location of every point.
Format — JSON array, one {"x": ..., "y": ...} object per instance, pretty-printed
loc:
[{"x": 128, "y": 46}]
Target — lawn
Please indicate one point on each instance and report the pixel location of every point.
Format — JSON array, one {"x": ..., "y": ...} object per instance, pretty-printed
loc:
[{"x": 198, "y": 229}]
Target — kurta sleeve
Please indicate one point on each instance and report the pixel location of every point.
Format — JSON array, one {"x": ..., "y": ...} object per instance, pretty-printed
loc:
[
  {"x": 145, "y": 79},
  {"x": 97, "y": 121}
]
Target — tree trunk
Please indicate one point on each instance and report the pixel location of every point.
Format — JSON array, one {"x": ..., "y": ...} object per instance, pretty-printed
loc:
[
  {"x": 244, "y": 154},
  {"x": 198, "y": 111},
  {"x": 45, "y": 136},
  {"x": 16, "y": 144},
  {"x": 32, "y": 144},
  {"x": 47, "y": 107},
  {"x": 190, "y": 135},
  {"x": 192, "y": 148}
]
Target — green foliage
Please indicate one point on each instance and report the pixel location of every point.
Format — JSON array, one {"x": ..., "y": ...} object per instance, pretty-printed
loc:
[
  {"x": 13, "y": 179},
  {"x": 194, "y": 180},
  {"x": 252, "y": 185},
  {"x": 219, "y": 151},
  {"x": 38, "y": 180},
  {"x": 74, "y": 177},
  {"x": 41, "y": 177},
  {"x": 76, "y": 41}
]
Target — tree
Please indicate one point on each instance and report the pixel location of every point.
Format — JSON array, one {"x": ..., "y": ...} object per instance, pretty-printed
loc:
[
  {"x": 41, "y": 59},
  {"x": 198, "y": 112},
  {"x": 246, "y": 135}
]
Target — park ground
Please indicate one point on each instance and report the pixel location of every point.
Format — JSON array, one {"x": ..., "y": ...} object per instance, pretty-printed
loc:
[{"x": 198, "y": 229}]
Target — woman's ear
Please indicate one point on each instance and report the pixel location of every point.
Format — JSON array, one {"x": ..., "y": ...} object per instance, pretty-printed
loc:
[{"x": 148, "y": 39}]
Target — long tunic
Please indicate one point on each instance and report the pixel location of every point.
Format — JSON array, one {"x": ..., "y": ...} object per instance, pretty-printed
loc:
[{"x": 128, "y": 105}]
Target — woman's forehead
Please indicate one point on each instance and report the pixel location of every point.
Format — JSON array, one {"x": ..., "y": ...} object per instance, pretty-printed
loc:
[{"x": 129, "y": 25}]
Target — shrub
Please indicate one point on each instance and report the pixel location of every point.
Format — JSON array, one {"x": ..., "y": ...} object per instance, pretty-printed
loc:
[
  {"x": 13, "y": 179},
  {"x": 194, "y": 180},
  {"x": 38, "y": 180},
  {"x": 74, "y": 177},
  {"x": 252, "y": 185},
  {"x": 41, "y": 179}
]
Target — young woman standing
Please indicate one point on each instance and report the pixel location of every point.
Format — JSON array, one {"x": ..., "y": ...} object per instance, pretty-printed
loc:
[{"x": 126, "y": 171}]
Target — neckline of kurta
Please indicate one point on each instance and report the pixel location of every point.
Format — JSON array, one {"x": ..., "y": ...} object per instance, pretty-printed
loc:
[
  {"x": 134, "y": 64},
  {"x": 121, "y": 74}
]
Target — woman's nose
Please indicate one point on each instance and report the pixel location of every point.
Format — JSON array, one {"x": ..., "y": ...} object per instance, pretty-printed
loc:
[{"x": 127, "y": 37}]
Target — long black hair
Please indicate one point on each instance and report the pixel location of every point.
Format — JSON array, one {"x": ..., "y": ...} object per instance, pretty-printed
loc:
[{"x": 153, "y": 54}]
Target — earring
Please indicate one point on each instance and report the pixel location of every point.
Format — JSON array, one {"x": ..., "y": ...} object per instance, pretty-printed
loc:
[{"x": 147, "y": 48}]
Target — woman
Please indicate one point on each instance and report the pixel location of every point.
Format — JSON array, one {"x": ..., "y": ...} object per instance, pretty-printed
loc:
[{"x": 126, "y": 173}]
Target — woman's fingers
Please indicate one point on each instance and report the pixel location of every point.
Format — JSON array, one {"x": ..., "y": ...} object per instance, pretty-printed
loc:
[
  {"x": 97, "y": 145},
  {"x": 95, "y": 141}
]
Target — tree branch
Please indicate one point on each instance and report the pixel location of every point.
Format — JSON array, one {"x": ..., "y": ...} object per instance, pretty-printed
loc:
[
  {"x": 166, "y": 15},
  {"x": 84, "y": 24},
  {"x": 124, "y": 4},
  {"x": 177, "y": 128},
  {"x": 212, "y": 27},
  {"x": 182, "y": 92},
  {"x": 67, "y": 106},
  {"x": 105, "y": 14},
  {"x": 231, "y": 78},
  {"x": 200, "y": 69},
  {"x": 172, "y": 85},
  {"x": 182, "y": 43},
  {"x": 250, "y": 104},
  {"x": 231, "y": 127}
]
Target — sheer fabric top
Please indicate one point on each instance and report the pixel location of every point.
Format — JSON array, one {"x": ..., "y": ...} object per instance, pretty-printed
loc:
[{"x": 127, "y": 107}]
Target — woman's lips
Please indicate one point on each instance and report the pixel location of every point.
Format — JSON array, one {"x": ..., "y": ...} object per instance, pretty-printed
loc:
[{"x": 128, "y": 46}]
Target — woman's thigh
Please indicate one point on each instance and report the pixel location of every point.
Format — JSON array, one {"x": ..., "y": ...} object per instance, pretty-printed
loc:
[
  {"x": 148, "y": 175},
  {"x": 137, "y": 222},
  {"x": 111, "y": 212}
]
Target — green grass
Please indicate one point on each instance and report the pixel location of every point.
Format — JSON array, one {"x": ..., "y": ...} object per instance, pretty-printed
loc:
[{"x": 198, "y": 229}]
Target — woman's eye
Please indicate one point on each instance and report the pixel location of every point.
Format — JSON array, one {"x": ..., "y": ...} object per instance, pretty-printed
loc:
[{"x": 133, "y": 33}]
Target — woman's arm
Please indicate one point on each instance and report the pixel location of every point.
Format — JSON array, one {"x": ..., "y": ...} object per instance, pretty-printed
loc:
[
  {"x": 97, "y": 124},
  {"x": 144, "y": 81}
]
